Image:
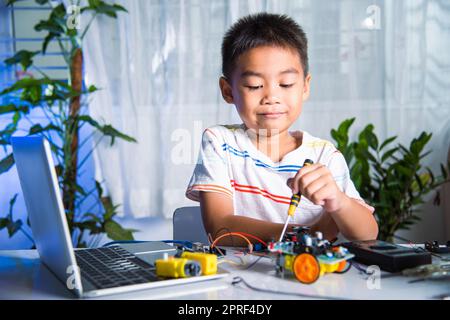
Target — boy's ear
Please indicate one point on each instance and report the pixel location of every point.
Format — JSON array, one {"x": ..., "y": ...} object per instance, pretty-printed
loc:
[
  {"x": 225, "y": 88},
  {"x": 306, "y": 87}
]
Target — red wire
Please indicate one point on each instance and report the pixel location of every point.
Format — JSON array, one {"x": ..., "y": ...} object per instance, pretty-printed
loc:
[{"x": 254, "y": 237}]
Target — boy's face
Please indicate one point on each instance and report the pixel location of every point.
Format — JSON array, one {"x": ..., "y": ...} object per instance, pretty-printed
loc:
[{"x": 268, "y": 88}]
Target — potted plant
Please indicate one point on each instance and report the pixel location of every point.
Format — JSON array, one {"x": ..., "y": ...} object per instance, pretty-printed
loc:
[
  {"x": 64, "y": 104},
  {"x": 388, "y": 176}
]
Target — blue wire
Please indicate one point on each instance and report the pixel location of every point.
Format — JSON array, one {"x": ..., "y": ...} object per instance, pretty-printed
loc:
[
  {"x": 119, "y": 242},
  {"x": 185, "y": 243}
]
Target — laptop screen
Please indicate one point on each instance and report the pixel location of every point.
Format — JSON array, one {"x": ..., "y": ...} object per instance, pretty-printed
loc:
[{"x": 42, "y": 195}]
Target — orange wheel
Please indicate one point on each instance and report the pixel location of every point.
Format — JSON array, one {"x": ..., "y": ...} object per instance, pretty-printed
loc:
[
  {"x": 306, "y": 268},
  {"x": 343, "y": 267}
]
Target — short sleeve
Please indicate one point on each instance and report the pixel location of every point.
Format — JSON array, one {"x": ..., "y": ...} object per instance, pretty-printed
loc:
[
  {"x": 341, "y": 174},
  {"x": 211, "y": 172}
]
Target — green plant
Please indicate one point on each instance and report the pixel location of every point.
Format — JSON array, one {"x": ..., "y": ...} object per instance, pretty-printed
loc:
[
  {"x": 389, "y": 177},
  {"x": 64, "y": 104}
]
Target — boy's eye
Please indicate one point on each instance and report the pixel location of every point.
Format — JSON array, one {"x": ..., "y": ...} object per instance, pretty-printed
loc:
[
  {"x": 253, "y": 87},
  {"x": 288, "y": 85}
]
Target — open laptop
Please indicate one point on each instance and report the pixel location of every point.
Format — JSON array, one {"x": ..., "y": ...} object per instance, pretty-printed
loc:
[{"x": 85, "y": 272}]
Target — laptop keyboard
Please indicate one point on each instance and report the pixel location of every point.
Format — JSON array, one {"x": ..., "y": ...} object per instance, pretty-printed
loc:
[{"x": 109, "y": 267}]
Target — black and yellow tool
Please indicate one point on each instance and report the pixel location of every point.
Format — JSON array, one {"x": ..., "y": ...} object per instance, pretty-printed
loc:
[{"x": 295, "y": 200}]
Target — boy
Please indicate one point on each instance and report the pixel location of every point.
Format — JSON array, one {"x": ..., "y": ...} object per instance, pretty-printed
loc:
[{"x": 247, "y": 173}]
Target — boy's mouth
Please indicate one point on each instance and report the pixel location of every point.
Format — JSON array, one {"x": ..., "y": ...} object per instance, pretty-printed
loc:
[{"x": 272, "y": 115}]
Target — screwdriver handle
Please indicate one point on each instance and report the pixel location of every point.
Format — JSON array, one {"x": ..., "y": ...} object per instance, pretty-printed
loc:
[{"x": 295, "y": 200}]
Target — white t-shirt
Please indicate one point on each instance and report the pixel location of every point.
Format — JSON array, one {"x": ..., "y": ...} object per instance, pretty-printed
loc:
[{"x": 230, "y": 163}]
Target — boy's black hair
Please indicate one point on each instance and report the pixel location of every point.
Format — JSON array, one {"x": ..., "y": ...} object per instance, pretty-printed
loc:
[{"x": 262, "y": 29}]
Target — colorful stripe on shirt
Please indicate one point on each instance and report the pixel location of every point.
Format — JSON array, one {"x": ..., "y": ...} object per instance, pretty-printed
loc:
[
  {"x": 259, "y": 191},
  {"x": 259, "y": 163},
  {"x": 237, "y": 187},
  {"x": 253, "y": 190},
  {"x": 208, "y": 187}
]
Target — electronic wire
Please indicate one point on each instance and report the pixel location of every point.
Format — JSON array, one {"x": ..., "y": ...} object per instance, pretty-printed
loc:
[{"x": 237, "y": 280}]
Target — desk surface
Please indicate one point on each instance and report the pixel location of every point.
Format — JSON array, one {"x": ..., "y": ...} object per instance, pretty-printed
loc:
[{"x": 22, "y": 276}]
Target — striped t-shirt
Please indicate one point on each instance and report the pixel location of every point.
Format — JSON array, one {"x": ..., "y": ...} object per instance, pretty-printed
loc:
[{"x": 230, "y": 163}]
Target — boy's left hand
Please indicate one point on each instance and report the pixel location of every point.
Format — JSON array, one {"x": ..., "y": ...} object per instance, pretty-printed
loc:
[{"x": 317, "y": 184}]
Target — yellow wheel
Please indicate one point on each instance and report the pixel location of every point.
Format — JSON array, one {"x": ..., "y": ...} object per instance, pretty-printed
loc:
[{"x": 306, "y": 268}]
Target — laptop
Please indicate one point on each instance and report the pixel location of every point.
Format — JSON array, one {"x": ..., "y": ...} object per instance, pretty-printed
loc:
[{"x": 85, "y": 272}]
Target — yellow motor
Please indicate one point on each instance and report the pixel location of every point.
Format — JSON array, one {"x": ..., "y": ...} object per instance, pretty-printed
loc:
[
  {"x": 208, "y": 261},
  {"x": 177, "y": 268}
]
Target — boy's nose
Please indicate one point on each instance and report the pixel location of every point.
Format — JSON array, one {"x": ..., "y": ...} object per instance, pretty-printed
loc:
[
  {"x": 270, "y": 100},
  {"x": 270, "y": 96}
]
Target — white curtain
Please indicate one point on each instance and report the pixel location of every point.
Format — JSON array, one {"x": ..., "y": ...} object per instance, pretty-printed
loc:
[{"x": 383, "y": 62}]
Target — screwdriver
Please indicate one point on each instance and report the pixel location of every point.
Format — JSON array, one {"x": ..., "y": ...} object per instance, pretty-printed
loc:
[{"x": 295, "y": 200}]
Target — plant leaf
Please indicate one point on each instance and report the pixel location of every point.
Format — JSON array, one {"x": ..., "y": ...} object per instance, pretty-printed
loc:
[
  {"x": 47, "y": 40},
  {"x": 13, "y": 108},
  {"x": 99, "y": 188},
  {"x": 101, "y": 7},
  {"x": 37, "y": 128},
  {"x": 388, "y": 154},
  {"x": 116, "y": 232},
  {"x": 3, "y": 223},
  {"x": 10, "y": 2},
  {"x": 423, "y": 155},
  {"x": 55, "y": 25},
  {"x": 107, "y": 130},
  {"x": 417, "y": 144},
  {"x": 386, "y": 142},
  {"x": 6, "y": 163},
  {"x": 13, "y": 227},
  {"x": 345, "y": 125},
  {"x": 92, "y": 88},
  {"x": 49, "y": 25},
  {"x": 23, "y": 57},
  {"x": 444, "y": 171},
  {"x": 92, "y": 216}
]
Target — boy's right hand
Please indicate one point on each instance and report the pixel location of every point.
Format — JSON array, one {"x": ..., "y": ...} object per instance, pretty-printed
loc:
[{"x": 316, "y": 183}]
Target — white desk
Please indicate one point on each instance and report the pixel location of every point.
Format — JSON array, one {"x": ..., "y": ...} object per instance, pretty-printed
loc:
[{"x": 22, "y": 276}]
